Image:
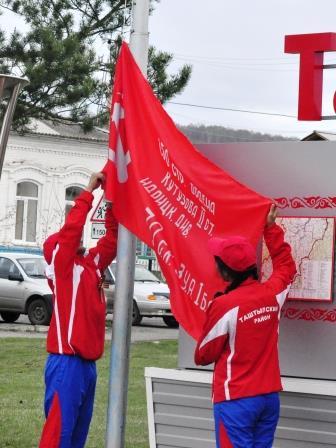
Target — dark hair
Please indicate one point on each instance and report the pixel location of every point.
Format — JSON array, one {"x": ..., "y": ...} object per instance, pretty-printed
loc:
[{"x": 237, "y": 277}]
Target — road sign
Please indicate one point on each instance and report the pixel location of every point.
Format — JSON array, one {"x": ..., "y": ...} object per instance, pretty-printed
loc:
[
  {"x": 100, "y": 211},
  {"x": 97, "y": 230}
]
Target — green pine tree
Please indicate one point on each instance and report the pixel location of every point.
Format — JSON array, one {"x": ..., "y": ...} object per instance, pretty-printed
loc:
[{"x": 69, "y": 54}]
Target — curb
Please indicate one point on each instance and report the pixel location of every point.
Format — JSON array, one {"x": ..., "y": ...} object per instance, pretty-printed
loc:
[
  {"x": 29, "y": 328},
  {"x": 24, "y": 328},
  {"x": 43, "y": 329}
]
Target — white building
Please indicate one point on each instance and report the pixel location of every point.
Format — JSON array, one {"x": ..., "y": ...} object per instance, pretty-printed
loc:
[
  {"x": 43, "y": 172},
  {"x": 41, "y": 176}
]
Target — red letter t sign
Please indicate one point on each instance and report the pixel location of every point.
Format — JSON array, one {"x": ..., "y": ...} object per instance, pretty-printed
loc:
[{"x": 311, "y": 48}]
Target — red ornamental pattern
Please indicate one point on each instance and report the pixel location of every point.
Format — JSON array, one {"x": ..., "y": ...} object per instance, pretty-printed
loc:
[
  {"x": 307, "y": 202},
  {"x": 317, "y": 202},
  {"x": 309, "y": 314}
]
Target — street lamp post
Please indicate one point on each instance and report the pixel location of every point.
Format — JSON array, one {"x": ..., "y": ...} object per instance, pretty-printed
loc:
[{"x": 10, "y": 87}]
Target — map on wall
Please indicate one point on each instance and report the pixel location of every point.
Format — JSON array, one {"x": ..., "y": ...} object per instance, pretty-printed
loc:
[{"x": 312, "y": 242}]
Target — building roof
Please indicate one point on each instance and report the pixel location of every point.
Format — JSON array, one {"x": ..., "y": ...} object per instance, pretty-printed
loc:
[
  {"x": 317, "y": 135},
  {"x": 71, "y": 130}
]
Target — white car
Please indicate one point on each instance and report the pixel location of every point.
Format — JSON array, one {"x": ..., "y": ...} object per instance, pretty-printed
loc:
[
  {"x": 150, "y": 297},
  {"x": 24, "y": 288}
]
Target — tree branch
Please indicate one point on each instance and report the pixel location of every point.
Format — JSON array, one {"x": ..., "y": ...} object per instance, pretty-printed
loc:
[
  {"x": 93, "y": 30},
  {"x": 62, "y": 18},
  {"x": 10, "y": 9}
]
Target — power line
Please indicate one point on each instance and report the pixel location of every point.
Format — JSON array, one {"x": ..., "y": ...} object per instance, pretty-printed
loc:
[
  {"x": 245, "y": 67},
  {"x": 228, "y": 58},
  {"x": 273, "y": 132},
  {"x": 245, "y": 60},
  {"x": 232, "y": 63},
  {"x": 230, "y": 109}
]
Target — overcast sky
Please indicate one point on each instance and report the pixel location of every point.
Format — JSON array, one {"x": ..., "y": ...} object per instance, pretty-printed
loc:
[{"x": 236, "y": 49}]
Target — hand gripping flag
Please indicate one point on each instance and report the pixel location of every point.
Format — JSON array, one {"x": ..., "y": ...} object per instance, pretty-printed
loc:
[{"x": 170, "y": 196}]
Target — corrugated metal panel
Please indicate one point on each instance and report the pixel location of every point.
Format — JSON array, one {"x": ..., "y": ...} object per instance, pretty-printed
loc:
[
  {"x": 183, "y": 417},
  {"x": 307, "y": 421}
]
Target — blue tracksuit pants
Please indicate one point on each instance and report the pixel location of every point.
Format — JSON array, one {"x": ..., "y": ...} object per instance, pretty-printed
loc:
[
  {"x": 247, "y": 422},
  {"x": 70, "y": 387}
]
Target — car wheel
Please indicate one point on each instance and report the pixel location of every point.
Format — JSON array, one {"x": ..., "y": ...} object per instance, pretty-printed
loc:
[
  {"x": 136, "y": 316},
  {"x": 9, "y": 316},
  {"x": 170, "y": 321},
  {"x": 38, "y": 313}
]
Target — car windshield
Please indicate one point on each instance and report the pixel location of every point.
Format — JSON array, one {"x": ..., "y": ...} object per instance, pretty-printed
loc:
[
  {"x": 33, "y": 267},
  {"x": 141, "y": 274}
]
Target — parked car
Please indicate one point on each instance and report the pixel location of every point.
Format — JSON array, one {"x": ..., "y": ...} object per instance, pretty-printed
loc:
[
  {"x": 24, "y": 288},
  {"x": 150, "y": 297}
]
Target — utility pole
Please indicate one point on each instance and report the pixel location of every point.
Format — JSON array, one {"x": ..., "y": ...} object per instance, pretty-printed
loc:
[{"x": 123, "y": 302}]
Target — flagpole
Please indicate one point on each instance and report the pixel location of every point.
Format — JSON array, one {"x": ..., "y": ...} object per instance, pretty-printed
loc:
[{"x": 123, "y": 301}]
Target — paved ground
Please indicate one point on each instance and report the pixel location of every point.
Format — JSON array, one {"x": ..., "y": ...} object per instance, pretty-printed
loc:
[{"x": 151, "y": 329}]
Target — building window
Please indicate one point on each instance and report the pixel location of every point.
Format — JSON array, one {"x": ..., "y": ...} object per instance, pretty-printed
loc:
[
  {"x": 26, "y": 211},
  {"x": 71, "y": 193}
]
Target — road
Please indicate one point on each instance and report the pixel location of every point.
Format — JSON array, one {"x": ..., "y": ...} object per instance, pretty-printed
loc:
[{"x": 151, "y": 329}]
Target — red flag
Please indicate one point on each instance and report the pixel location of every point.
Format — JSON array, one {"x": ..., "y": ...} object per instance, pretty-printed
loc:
[{"x": 170, "y": 196}]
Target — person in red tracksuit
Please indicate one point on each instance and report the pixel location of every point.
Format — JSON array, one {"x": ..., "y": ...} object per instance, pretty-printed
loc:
[
  {"x": 240, "y": 336},
  {"x": 77, "y": 328}
]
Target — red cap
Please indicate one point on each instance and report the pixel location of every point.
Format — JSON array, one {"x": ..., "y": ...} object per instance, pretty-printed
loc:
[{"x": 235, "y": 251}]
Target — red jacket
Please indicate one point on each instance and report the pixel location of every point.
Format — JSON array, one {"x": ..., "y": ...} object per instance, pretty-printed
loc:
[
  {"x": 77, "y": 325},
  {"x": 241, "y": 330}
]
